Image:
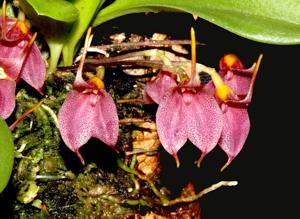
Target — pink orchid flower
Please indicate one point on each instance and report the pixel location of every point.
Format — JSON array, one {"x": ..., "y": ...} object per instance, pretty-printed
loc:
[
  {"x": 20, "y": 58},
  {"x": 88, "y": 111},
  {"x": 236, "y": 120},
  {"x": 189, "y": 111},
  {"x": 207, "y": 115}
]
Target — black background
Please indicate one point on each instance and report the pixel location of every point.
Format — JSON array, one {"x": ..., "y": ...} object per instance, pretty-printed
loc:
[{"x": 267, "y": 166}]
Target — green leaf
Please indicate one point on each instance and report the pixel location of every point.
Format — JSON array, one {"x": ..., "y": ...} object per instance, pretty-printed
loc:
[
  {"x": 267, "y": 21},
  {"x": 6, "y": 154},
  {"x": 87, "y": 9},
  {"x": 59, "y": 10}
]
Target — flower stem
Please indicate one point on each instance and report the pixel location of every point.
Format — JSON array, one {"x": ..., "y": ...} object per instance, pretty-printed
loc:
[
  {"x": 51, "y": 113},
  {"x": 36, "y": 106},
  {"x": 135, "y": 181}
]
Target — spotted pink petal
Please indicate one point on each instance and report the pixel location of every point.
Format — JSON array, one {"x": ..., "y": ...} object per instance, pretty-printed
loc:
[
  {"x": 75, "y": 118},
  {"x": 171, "y": 121},
  {"x": 155, "y": 90},
  {"x": 34, "y": 69},
  {"x": 235, "y": 131},
  {"x": 86, "y": 115},
  {"x": 105, "y": 123},
  {"x": 7, "y": 97},
  {"x": 204, "y": 120}
]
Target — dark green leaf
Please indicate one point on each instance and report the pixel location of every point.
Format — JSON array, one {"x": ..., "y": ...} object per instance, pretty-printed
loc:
[
  {"x": 6, "y": 154},
  {"x": 268, "y": 21}
]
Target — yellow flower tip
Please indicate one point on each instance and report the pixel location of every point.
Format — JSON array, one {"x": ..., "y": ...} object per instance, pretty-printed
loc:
[
  {"x": 223, "y": 92},
  {"x": 230, "y": 60},
  {"x": 88, "y": 33},
  {"x": 32, "y": 40},
  {"x": 193, "y": 52},
  {"x": 23, "y": 27},
  {"x": 257, "y": 64},
  {"x": 225, "y": 165},
  {"x": 199, "y": 161},
  {"x": 3, "y": 9},
  {"x": 3, "y": 18},
  {"x": 97, "y": 82},
  {"x": 177, "y": 161}
]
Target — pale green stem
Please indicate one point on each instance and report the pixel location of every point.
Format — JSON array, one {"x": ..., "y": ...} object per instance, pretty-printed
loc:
[
  {"x": 51, "y": 113},
  {"x": 164, "y": 200},
  {"x": 132, "y": 164},
  {"x": 55, "y": 47}
]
